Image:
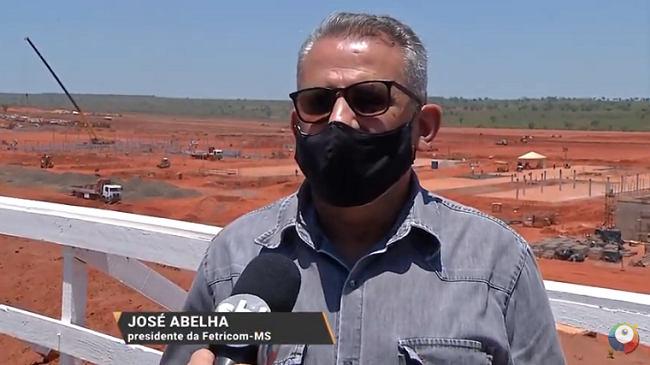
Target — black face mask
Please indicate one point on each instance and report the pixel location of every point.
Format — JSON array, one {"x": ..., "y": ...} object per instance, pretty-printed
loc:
[{"x": 346, "y": 167}]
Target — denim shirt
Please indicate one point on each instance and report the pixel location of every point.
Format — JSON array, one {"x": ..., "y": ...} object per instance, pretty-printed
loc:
[{"x": 450, "y": 285}]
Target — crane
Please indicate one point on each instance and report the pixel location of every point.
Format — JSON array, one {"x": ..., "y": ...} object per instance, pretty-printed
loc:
[{"x": 94, "y": 138}]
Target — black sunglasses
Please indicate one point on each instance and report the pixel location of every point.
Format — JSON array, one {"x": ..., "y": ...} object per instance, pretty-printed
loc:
[{"x": 366, "y": 99}]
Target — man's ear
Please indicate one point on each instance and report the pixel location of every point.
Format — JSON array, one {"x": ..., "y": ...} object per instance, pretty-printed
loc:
[{"x": 428, "y": 126}]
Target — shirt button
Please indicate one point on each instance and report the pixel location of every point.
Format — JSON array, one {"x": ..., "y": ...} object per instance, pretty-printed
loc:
[{"x": 352, "y": 284}]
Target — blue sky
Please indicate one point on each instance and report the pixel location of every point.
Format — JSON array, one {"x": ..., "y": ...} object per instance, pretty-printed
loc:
[{"x": 247, "y": 49}]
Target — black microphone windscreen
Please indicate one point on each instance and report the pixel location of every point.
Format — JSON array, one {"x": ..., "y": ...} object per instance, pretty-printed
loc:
[{"x": 273, "y": 278}]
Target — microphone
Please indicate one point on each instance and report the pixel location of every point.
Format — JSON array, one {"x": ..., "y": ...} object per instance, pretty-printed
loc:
[{"x": 269, "y": 283}]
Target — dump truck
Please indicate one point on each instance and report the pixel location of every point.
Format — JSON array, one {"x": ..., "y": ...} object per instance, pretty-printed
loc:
[
  {"x": 103, "y": 189},
  {"x": 46, "y": 162},
  {"x": 212, "y": 154},
  {"x": 164, "y": 164}
]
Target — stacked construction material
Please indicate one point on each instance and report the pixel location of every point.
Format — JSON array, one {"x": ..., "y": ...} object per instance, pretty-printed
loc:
[{"x": 577, "y": 249}]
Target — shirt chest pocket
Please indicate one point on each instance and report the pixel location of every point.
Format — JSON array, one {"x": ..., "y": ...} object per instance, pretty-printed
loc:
[
  {"x": 284, "y": 355},
  {"x": 442, "y": 351}
]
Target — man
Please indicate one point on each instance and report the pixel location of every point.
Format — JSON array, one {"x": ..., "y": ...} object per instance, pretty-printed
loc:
[{"x": 405, "y": 276}]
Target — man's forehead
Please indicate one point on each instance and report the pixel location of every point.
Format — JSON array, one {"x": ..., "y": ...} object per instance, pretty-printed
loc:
[
  {"x": 356, "y": 43},
  {"x": 338, "y": 61}
]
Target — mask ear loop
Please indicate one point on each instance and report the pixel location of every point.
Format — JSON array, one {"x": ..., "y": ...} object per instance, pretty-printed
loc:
[{"x": 300, "y": 131}]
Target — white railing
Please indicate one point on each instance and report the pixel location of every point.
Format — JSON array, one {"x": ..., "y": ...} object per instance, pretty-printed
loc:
[{"x": 115, "y": 242}]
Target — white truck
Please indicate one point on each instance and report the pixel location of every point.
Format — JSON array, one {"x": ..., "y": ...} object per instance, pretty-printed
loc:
[{"x": 103, "y": 189}]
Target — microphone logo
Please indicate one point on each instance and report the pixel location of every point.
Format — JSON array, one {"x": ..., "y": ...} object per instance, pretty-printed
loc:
[{"x": 243, "y": 303}]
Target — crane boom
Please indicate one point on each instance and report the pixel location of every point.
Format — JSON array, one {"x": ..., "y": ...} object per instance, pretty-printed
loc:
[{"x": 94, "y": 138}]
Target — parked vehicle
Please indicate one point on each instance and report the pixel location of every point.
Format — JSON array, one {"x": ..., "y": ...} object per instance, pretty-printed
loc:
[{"x": 103, "y": 189}]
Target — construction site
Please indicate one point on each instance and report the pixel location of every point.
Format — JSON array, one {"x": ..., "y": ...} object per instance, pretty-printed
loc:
[{"x": 581, "y": 199}]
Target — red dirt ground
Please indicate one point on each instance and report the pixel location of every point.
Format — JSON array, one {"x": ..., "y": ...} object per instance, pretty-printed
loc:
[{"x": 30, "y": 272}]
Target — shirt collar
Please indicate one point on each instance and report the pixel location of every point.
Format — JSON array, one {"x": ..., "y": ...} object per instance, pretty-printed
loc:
[{"x": 421, "y": 212}]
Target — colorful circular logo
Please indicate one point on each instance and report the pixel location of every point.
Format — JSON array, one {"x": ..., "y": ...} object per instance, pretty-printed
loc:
[{"x": 624, "y": 337}]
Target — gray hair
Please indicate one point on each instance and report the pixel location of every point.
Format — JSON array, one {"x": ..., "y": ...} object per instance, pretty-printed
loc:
[{"x": 369, "y": 25}]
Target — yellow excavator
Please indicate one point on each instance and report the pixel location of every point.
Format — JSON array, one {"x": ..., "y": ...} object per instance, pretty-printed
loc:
[{"x": 94, "y": 138}]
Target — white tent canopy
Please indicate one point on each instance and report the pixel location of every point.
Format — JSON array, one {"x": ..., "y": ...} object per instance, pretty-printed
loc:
[
  {"x": 532, "y": 156},
  {"x": 532, "y": 160}
]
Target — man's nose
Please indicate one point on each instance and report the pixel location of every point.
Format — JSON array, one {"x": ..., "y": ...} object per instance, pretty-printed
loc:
[{"x": 343, "y": 113}]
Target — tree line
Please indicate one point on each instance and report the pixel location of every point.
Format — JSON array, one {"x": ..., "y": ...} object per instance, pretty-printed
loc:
[{"x": 546, "y": 113}]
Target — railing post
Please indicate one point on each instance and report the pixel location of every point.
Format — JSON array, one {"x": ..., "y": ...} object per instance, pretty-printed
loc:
[
  {"x": 621, "y": 188},
  {"x": 574, "y": 178},
  {"x": 636, "y": 185},
  {"x": 74, "y": 293},
  {"x": 517, "y": 190}
]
